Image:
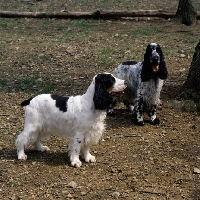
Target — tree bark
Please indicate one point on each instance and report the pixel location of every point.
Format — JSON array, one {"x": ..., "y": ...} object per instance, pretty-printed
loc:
[
  {"x": 98, "y": 14},
  {"x": 191, "y": 87},
  {"x": 186, "y": 13}
]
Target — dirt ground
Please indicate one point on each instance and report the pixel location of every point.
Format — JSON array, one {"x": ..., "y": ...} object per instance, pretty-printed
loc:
[{"x": 61, "y": 56}]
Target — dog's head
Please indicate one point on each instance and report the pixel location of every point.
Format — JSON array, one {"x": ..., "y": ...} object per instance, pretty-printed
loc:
[
  {"x": 106, "y": 87},
  {"x": 154, "y": 64}
]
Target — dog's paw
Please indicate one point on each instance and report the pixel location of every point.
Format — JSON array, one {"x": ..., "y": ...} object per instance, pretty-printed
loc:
[
  {"x": 138, "y": 120},
  {"x": 111, "y": 113},
  {"x": 90, "y": 158},
  {"x": 43, "y": 148},
  {"x": 22, "y": 156},
  {"x": 76, "y": 163},
  {"x": 140, "y": 123},
  {"x": 156, "y": 121}
]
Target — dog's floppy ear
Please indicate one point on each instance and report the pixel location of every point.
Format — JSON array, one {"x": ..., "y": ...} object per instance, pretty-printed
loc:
[
  {"x": 162, "y": 72},
  {"x": 101, "y": 98},
  {"x": 146, "y": 69}
]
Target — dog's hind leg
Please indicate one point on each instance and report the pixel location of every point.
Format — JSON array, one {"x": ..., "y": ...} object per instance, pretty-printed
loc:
[
  {"x": 74, "y": 149},
  {"x": 20, "y": 143},
  {"x": 24, "y": 139},
  {"x": 40, "y": 147},
  {"x": 128, "y": 99}
]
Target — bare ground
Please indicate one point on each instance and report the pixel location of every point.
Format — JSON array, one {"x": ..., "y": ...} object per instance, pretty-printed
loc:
[{"x": 62, "y": 56}]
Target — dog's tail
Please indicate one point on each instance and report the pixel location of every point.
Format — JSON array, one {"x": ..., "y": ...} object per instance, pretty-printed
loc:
[{"x": 26, "y": 102}]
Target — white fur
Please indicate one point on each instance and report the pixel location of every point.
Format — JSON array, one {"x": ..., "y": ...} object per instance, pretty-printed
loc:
[{"x": 82, "y": 123}]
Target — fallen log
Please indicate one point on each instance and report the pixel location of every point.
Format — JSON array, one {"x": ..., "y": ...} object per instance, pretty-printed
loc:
[{"x": 98, "y": 14}]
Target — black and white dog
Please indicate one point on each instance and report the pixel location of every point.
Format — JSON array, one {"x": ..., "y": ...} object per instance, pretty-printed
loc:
[
  {"x": 144, "y": 83},
  {"x": 80, "y": 118}
]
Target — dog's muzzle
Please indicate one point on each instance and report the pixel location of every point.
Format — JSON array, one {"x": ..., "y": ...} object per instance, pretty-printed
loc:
[{"x": 155, "y": 58}]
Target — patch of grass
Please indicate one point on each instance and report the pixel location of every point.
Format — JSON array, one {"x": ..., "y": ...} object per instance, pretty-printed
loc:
[
  {"x": 62, "y": 27},
  {"x": 149, "y": 31},
  {"x": 85, "y": 24},
  {"x": 37, "y": 184},
  {"x": 106, "y": 57},
  {"x": 41, "y": 57},
  {"x": 193, "y": 40},
  {"x": 3, "y": 23},
  {"x": 3, "y": 82},
  {"x": 107, "y": 51},
  {"x": 30, "y": 84},
  {"x": 82, "y": 23},
  {"x": 98, "y": 195},
  {"x": 45, "y": 57},
  {"x": 191, "y": 52}
]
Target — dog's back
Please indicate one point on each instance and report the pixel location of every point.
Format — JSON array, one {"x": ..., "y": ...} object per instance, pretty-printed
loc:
[{"x": 129, "y": 71}]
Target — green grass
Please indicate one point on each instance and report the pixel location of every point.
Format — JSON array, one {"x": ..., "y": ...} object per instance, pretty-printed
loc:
[
  {"x": 85, "y": 24},
  {"x": 149, "y": 31},
  {"x": 28, "y": 84},
  {"x": 98, "y": 196},
  {"x": 3, "y": 23},
  {"x": 106, "y": 57}
]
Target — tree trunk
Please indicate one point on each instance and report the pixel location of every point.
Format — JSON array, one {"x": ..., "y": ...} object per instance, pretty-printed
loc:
[
  {"x": 191, "y": 87},
  {"x": 186, "y": 13}
]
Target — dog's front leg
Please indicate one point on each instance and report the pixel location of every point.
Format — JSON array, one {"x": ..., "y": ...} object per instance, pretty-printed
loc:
[
  {"x": 74, "y": 149},
  {"x": 152, "y": 114},
  {"x": 110, "y": 109},
  {"x": 85, "y": 153},
  {"x": 138, "y": 111}
]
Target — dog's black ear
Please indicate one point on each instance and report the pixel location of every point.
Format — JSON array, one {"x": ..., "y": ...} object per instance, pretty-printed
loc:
[
  {"x": 162, "y": 72},
  {"x": 146, "y": 68},
  {"x": 102, "y": 99}
]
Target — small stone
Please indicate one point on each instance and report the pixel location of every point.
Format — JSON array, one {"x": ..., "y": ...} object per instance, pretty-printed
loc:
[
  {"x": 69, "y": 196},
  {"x": 65, "y": 192},
  {"x": 72, "y": 184},
  {"x": 151, "y": 158},
  {"x": 196, "y": 170},
  {"x": 180, "y": 51},
  {"x": 115, "y": 194},
  {"x": 83, "y": 193},
  {"x": 182, "y": 55}
]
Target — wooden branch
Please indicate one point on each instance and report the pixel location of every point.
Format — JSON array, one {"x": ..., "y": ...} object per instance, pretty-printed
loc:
[
  {"x": 103, "y": 14},
  {"x": 137, "y": 13}
]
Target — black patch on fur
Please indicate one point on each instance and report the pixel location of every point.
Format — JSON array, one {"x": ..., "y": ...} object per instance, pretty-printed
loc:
[
  {"x": 61, "y": 102},
  {"x": 102, "y": 99},
  {"x": 26, "y": 102},
  {"x": 147, "y": 72},
  {"x": 130, "y": 62}
]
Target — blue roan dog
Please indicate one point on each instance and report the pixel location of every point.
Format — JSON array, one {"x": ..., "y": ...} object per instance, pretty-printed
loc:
[{"x": 144, "y": 83}]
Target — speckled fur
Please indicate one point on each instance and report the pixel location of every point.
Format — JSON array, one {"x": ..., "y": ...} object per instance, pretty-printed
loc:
[{"x": 146, "y": 92}]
